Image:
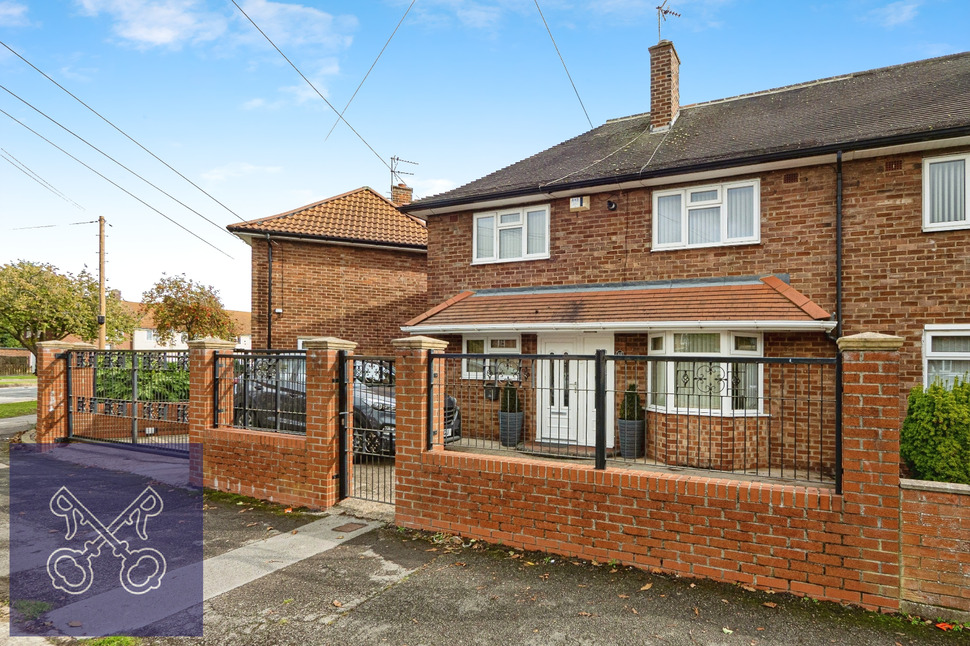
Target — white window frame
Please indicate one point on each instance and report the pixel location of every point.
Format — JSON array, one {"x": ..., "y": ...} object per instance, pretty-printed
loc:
[
  {"x": 720, "y": 201},
  {"x": 487, "y": 339},
  {"x": 497, "y": 226},
  {"x": 946, "y": 226},
  {"x": 931, "y": 331},
  {"x": 727, "y": 351}
]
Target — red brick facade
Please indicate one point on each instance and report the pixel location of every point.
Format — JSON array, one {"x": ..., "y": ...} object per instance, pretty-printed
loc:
[
  {"x": 897, "y": 278},
  {"x": 350, "y": 292}
]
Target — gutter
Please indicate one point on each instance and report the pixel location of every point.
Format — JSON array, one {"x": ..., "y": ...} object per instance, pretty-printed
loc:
[
  {"x": 829, "y": 149},
  {"x": 625, "y": 326},
  {"x": 308, "y": 237}
]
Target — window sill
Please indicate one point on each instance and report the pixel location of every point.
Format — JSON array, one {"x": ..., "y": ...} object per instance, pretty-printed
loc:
[
  {"x": 505, "y": 260},
  {"x": 697, "y": 412},
  {"x": 745, "y": 243},
  {"x": 949, "y": 226}
]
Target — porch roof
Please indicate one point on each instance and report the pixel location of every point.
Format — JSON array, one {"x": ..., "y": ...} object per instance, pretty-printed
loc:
[{"x": 766, "y": 303}]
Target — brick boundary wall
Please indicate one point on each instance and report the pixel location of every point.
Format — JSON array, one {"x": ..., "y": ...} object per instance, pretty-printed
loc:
[
  {"x": 281, "y": 467},
  {"x": 804, "y": 540},
  {"x": 936, "y": 543}
]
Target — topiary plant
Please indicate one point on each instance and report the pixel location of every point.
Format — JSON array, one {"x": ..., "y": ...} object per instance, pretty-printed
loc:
[
  {"x": 631, "y": 408},
  {"x": 510, "y": 399},
  {"x": 935, "y": 438}
]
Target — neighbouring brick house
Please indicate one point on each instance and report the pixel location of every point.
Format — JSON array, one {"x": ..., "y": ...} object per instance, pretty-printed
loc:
[
  {"x": 350, "y": 266},
  {"x": 719, "y": 228},
  {"x": 145, "y": 334}
]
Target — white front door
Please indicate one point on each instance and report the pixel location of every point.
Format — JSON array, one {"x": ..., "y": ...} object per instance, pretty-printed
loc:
[{"x": 566, "y": 392}]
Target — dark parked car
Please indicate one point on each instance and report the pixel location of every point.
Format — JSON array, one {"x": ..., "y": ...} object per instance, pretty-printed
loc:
[{"x": 276, "y": 399}]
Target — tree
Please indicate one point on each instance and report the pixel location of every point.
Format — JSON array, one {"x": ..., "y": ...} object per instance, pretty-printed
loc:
[
  {"x": 38, "y": 303},
  {"x": 180, "y": 305}
]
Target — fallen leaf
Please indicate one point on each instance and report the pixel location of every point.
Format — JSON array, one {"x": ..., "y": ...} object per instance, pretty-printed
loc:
[
  {"x": 431, "y": 549},
  {"x": 646, "y": 586},
  {"x": 727, "y": 631},
  {"x": 337, "y": 604},
  {"x": 759, "y": 628},
  {"x": 460, "y": 564},
  {"x": 74, "y": 624},
  {"x": 293, "y": 532},
  {"x": 288, "y": 510},
  {"x": 529, "y": 563},
  {"x": 692, "y": 585},
  {"x": 584, "y": 614},
  {"x": 944, "y": 626},
  {"x": 770, "y": 604},
  {"x": 634, "y": 611},
  {"x": 725, "y": 601},
  {"x": 624, "y": 596},
  {"x": 697, "y": 611},
  {"x": 252, "y": 524},
  {"x": 613, "y": 571},
  {"x": 749, "y": 588}
]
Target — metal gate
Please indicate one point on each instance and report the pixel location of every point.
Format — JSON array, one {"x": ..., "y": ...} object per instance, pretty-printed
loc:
[
  {"x": 368, "y": 417},
  {"x": 129, "y": 397}
]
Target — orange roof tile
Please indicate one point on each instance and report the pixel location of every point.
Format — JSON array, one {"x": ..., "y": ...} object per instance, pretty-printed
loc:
[
  {"x": 751, "y": 301},
  {"x": 362, "y": 215}
]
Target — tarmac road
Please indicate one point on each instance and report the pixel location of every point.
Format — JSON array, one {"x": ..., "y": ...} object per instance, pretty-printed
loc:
[{"x": 18, "y": 394}]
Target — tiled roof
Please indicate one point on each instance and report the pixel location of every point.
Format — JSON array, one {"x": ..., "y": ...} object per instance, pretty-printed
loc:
[
  {"x": 146, "y": 321},
  {"x": 362, "y": 216},
  {"x": 763, "y": 300},
  {"x": 927, "y": 99}
]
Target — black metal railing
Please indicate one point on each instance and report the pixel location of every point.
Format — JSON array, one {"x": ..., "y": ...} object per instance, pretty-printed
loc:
[
  {"x": 129, "y": 396},
  {"x": 771, "y": 418},
  {"x": 369, "y": 413},
  {"x": 261, "y": 389}
]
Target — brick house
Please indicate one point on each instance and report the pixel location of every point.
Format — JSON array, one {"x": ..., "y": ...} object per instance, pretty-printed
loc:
[
  {"x": 145, "y": 334},
  {"x": 767, "y": 224},
  {"x": 350, "y": 266}
]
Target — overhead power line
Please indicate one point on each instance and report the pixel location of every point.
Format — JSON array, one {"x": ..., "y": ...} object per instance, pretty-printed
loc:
[
  {"x": 51, "y": 226},
  {"x": 312, "y": 86},
  {"x": 19, "y": 165},
  {"x": 568, "y": 75},
  {"x": 122, "y": 132},
  {"x": 116, "y": 185},
  {"x": 88, "y": 143},
  {"x": 370, "y": 70}
]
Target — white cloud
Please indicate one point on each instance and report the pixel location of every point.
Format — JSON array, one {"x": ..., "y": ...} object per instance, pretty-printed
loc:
[
  {"x": 428, "y": 187},
  {"x": 295, "y": 25},
  {"x": 12, "y": 14},
  {"x": 238, "y": 169},
  {"x": 156, "y": 23},
  {"x": 895, "y": 13}
]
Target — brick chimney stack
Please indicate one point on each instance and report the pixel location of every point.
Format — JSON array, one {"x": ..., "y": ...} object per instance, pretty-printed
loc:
[
  {"x": 664, "y": 84},
  {"x": 401, "y": 194}
]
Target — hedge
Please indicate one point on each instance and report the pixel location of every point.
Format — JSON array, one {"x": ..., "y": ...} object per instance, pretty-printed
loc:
[{"x": 935, "y": 439}]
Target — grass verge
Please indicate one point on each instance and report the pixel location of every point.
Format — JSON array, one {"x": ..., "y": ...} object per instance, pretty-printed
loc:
[{"x": 16, "y": 409}]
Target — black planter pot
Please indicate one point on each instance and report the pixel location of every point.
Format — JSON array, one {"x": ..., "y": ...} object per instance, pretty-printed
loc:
[
  {"x": 631, "y": 437},
  {"x": 510, "y": 428}
]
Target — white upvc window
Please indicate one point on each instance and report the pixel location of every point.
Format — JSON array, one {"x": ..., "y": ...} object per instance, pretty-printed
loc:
[
  {"x": 509, "y": 235},
  {"x": 707, "y": 216},
  {"x": 946, "y": 354},
  {"x": 491, "y": 369},
  {"x": 946, "y": 189},
  {"x": 720, "y": 387}
]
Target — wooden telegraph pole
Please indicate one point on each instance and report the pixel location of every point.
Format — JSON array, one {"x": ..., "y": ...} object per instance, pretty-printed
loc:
[{"x": 102, "y": 321}]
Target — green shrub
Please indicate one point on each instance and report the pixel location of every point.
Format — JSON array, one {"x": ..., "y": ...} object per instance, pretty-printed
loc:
[
  {"x": 935, "y": 439},
  {"x": 167, "y": 383},
  {"x": 510, "y": 399},
  {"x": 631, "y": 408}
]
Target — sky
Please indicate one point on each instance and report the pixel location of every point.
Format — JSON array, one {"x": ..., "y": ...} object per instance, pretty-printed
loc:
[{"x": 464, "y": 88}]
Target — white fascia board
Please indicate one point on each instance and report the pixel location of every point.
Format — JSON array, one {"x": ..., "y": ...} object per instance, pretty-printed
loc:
[
  {"x": 249, "y": 237},
  {"x": 625, "y": 326},
  {"x": 689, "y": 178}
]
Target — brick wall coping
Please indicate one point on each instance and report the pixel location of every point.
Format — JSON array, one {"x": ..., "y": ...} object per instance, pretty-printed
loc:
[
  {"x": 929, "y": 485},
  {"x": 870, "y": 341},
  {"x": 328, "y": 343},
  {"x": 62, "y": 345},
  {"x": 419, "y": 343},
  {"x": 211, "y": 343}
]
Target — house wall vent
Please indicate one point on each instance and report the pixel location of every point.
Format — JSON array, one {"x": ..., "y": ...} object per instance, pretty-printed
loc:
[
  {"x": 790, "y": 178},
  {"x": 894, "y": 164}
]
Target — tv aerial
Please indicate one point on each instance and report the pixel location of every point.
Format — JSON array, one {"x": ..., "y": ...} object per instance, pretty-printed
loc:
[
  {"x": 662, "y": 12},
  {"x": 395, "y": 173}
]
